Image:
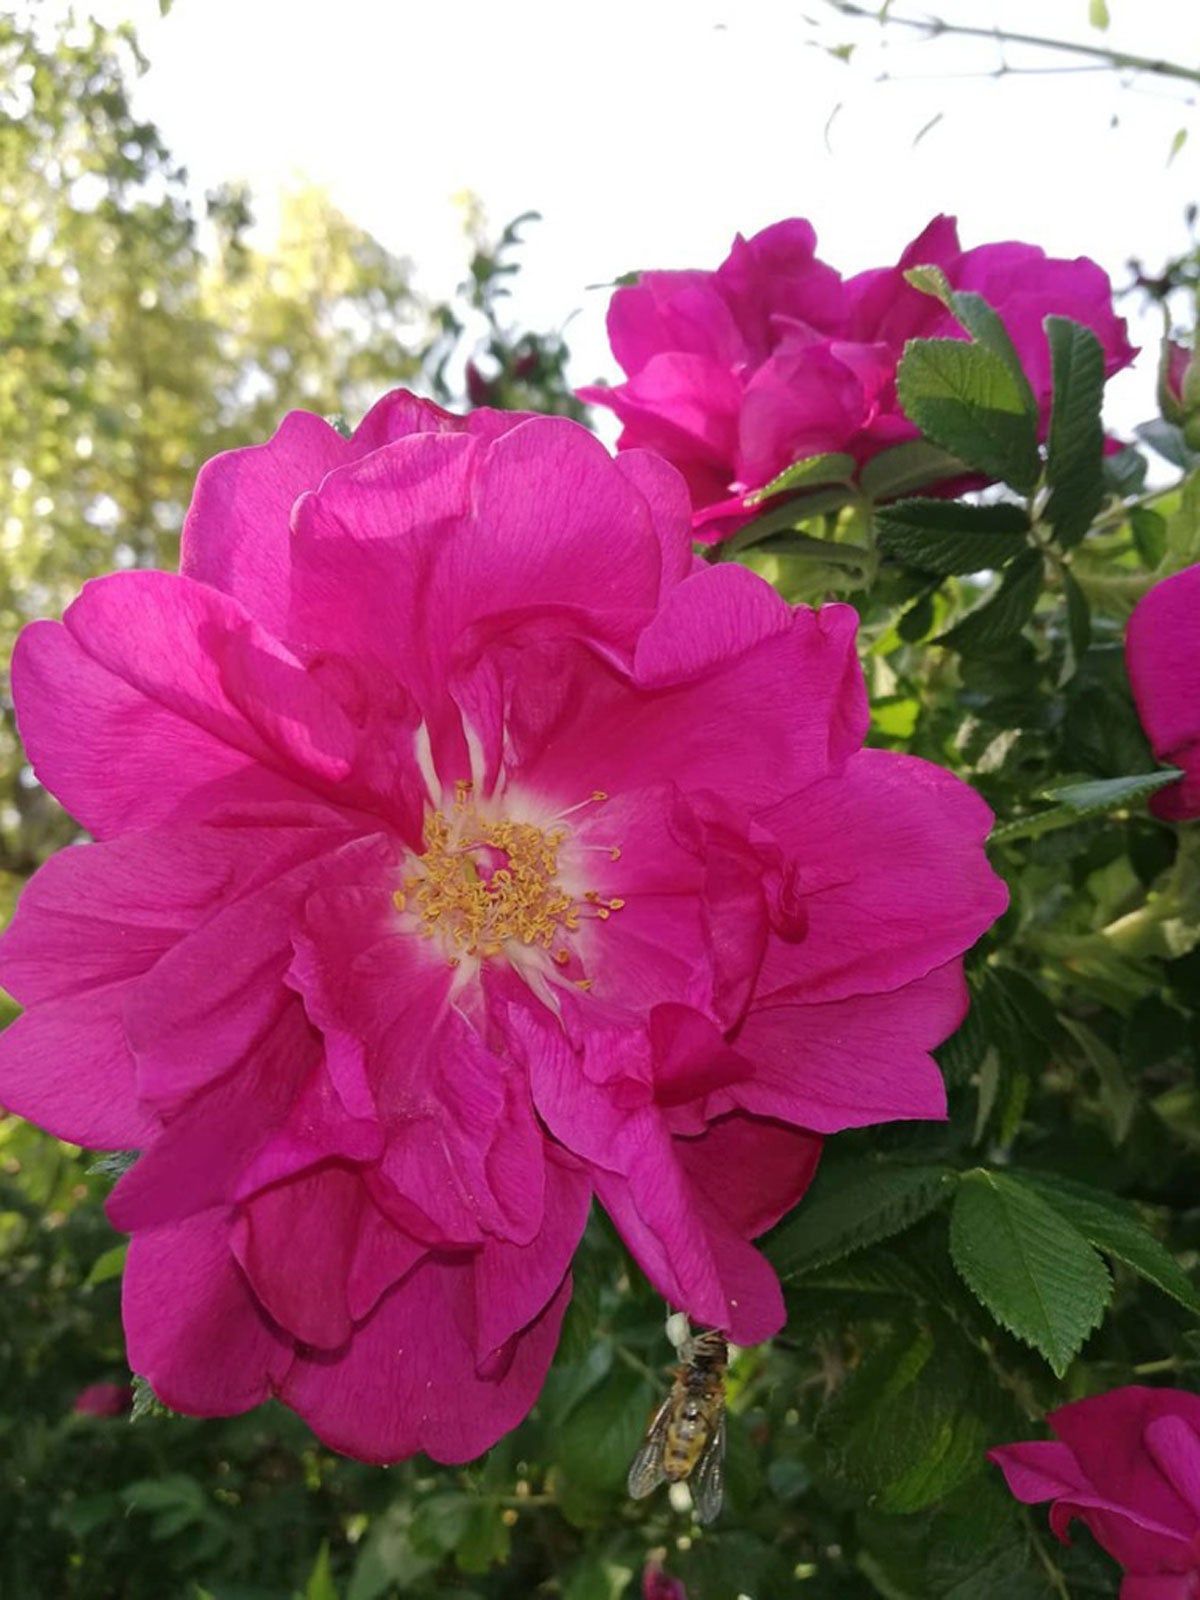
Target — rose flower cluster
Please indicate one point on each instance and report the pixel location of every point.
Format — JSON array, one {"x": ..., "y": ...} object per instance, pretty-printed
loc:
[
  {"x": 464, "y": 852},
  {"x": 733, "y": 375}
]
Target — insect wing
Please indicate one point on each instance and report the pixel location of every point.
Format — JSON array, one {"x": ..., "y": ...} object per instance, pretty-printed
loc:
[
  {"x": 707, "y": 1482},
  {"x": 646, "y": 1471}
]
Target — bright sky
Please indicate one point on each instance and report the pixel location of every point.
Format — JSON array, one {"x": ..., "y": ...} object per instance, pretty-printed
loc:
[{"x": 648, "y": 132}]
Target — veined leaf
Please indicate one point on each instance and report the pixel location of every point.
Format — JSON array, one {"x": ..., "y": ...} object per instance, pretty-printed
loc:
[
  {"x": 1032, "y": 1269},
  {"x": 1003, "y": 616},
  {"x": 965, "y": 398},
  {"x": 1113, "y": 1225},
  {"x": 948, "y": 536},
  {"x": 908, "y": 466},
  {"x": 852, "y": 1205},
  {"x": 1077, "y": 802},
  {"x": 811, "y": 473},
  {"x": 981, "y": 322},
  {"x": 1076, "y": 444}
]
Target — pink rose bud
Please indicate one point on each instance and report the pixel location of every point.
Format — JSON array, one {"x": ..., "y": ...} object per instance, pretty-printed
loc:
[
  {"x": 104, "y": 1400},
  {"x": 1127, "y": 1464},
  {"x": 660, "y": 1585},
  {"x": 479, "y": 390},
  {"x": 1179, "y": 389}
]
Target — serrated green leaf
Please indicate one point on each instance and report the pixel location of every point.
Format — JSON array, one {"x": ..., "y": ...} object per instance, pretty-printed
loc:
[
  {"x": 1113, "y": 1225},
  {"x": 114, "y": 1165},
  {"x": 1034, "y": 1271},
  {"x": 930, "y": 280},
  {"x": 1003, "y": 616},
  {"x": 986, "y": 328},
  {"x": 1077, "y": 802},
  {"x": 966, "y": 399},
  {"x": 852, "y": 1205},
  {"x": 811, "y": 473},
  {"x": 905, "y": 467},
  {"x": 1107, "y": 794},
  {"x": 110, "y": 1265},
  {"x": 1075, "y": 458},
  {"x": 949, "y": 536},
  {"x": 145, "y": 1402}
]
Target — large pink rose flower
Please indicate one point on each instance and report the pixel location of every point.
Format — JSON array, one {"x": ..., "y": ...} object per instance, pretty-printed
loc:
[
  {"x": 1162, "y": 652},
  {"x": 733, "y": 375},
  {"x": 464, "y": 852},
  {"x": 1127, "y": 1464}
]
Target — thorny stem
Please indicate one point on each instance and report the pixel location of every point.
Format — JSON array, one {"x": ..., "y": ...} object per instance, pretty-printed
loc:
[{"x": 934, "y": 27}]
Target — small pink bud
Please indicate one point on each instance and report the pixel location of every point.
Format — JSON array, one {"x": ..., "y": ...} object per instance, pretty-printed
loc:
[{"x": 104, "y": 1400}]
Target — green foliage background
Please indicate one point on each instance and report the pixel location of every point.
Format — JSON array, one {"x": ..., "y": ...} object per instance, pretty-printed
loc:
[{"x": 947, "y": 1284}]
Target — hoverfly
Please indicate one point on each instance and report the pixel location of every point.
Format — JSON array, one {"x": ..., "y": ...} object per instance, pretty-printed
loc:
[{"x": 685, "y": 1442}]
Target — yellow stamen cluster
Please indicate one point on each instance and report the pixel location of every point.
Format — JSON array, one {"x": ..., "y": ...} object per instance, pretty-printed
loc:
[{"x": 477, "y": 911}]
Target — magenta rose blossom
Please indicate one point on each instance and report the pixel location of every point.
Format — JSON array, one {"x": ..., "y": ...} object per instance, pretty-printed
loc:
[
  {"x": 1127, "y": 1464},
  {"x": 733, "y": 375},
  {"x": 1162, "y": 653},
  {"x": 464, "y": 851}
]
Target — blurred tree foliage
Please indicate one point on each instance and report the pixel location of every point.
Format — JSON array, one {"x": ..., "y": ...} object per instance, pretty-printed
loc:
[{"x": 138, "y": 339}]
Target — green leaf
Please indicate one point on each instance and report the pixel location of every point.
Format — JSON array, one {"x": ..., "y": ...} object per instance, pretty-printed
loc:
[
  {"x": 965, "y": 398},
  {"x": 1117, "y": 1093},
  {"x": 1113, "y": 1225},
  {"x": 145, "y": 1402},
  {"x": 851, "y": 1205},
  {"x": 1035, "y": 1272},
  {"x": 114, "y": 1165},
  {"x": 320, "y": 1585},
  {"x": 1149, "y": 530},
  {"x": 811, "y": 473},
  {"x": 1003, "y": 616},
  {"x": 1078, "y": 802},
  {"x": 1098, "y": 14},
  {"x": 1177, "y": 144},
  {"x": 1075, "y": 459},
  {"x": 110, "y": 1265},
  {"x": 1109, "y": 794},
  {"x": 597, "y": 1441},
  {"x": 597, "y": 1578},
  {"x": 908, "y": 466},
  {"x": 911, "y": 1423},
  {"x": 1079, "y": 625},
  {"x": 949, "y": 536}
]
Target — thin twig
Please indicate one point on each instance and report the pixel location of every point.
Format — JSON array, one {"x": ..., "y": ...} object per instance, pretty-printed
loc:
[{"x": 935, "y": 27}]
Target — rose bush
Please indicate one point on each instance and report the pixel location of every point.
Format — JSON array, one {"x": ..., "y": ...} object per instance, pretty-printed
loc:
[
  {"x": 735, "y": 374},
  {"x": 463, "y": 851},
  {"x": 1127, "y": 1464}
]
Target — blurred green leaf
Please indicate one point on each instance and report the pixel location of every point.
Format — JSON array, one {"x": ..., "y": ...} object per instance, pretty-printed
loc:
[{"x": 908, "y": 466}]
